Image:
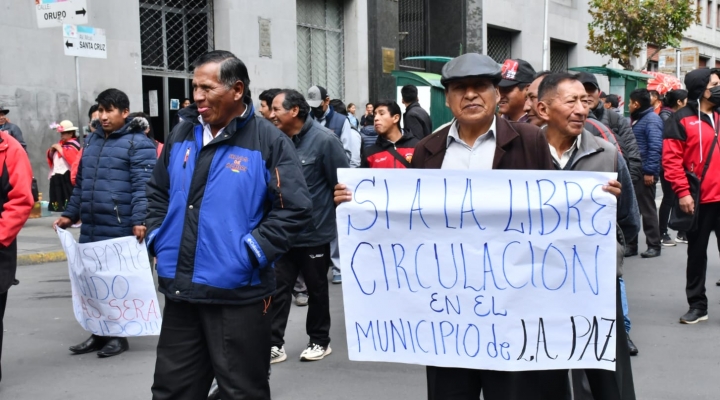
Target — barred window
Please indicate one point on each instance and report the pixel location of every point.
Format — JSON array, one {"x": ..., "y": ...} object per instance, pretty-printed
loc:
[
  {"x": 559, "y": 55},
  {"x": 412, "y": 30},
  {"x": 321, "y": 46},
  {"x": 173, "y": 33},
  {"x": 499, "y": 45}
]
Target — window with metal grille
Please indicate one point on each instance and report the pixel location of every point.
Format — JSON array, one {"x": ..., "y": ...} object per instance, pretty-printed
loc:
[
  {"x": 320, "y": 46},
  {"x": 559, "y": 54},
  {"x": 499, "y": 45},
  {"x": 173, "y": 33},
  {"x": 412, "y": 32}
]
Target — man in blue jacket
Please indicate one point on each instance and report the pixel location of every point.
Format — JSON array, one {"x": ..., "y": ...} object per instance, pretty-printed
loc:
[
  {"x": 226, "y": 200},
  {"x": 109, "y": 193},
  {"x": 648, "y": 129}
]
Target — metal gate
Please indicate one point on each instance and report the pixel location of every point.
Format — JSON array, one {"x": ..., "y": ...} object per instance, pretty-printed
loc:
[
  {"x": 499, "y": 45},
  {"x": 412, "y": 32},
  {"x": 321, "y": 59},
  {"x": 173, "y": 33},
  {"x": 559, "y": 54}
]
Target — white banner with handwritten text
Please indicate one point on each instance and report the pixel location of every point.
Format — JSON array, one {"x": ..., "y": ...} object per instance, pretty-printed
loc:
[
  {"x": 500, "y": 270},
  {"x": 112, "y": 285}
]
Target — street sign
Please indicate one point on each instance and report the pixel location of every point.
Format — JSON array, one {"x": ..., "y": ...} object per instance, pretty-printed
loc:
[
  {"x": 54, "y": 13},
  {"x": 84, "y": 41},
  {"x": 668, "y": 60}
]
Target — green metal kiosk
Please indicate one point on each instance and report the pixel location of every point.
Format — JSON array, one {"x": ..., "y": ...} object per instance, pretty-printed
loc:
[{"x": 622, "y": 82}]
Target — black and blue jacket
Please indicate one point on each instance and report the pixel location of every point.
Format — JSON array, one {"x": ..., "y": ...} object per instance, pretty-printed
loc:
[
  {"x": 220, "y": 215},
  {"x": 109, "y": 192}
]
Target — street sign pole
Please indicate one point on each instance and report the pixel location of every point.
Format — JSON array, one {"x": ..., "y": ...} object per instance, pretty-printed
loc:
[
  {"x": 678, "y": 56},
  {"x": 79, "y": 97}
]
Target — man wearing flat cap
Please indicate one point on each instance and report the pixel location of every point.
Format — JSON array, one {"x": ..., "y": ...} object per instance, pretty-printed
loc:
[
  {"x": 13, "y": 129},
  {"x": 517, "y": 75},
  {"x": 477, "y": 140}
]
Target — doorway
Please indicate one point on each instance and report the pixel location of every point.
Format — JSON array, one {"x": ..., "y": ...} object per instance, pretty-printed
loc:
[{"x": 162, "y": 96}]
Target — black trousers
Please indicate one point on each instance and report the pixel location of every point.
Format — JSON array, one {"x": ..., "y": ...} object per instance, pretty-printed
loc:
[
  {"x": 202, "y": 341},
  {"x": 314, "y": 263},
  {"x": 708, "y": 221},
  {"x": 648, "y": 210},
  {"x": 3, "y": 303},
  {"x": 667, "y": 203},
  {"x": 466, "y": 384},
  {"x": 599, "y": 384}
]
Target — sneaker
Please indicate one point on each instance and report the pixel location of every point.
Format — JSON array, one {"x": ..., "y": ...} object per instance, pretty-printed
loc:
[
  {"x": 315, "y": 352},
  {"x": 337, "y": 279},
  {"x": 277, "y": 354},
  {"x": 301, "y": 299},
  {"x": 693, "y": 316},
  {"x": 681, "y": 238},
  {"x": 667, "y": 241}
]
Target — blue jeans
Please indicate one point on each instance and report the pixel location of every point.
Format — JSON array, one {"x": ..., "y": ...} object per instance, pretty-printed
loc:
[{"x": 623, "y": 299}]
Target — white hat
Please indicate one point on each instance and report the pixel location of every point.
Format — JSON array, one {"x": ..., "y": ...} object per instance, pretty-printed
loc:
[{"x": 66, "y": 126}]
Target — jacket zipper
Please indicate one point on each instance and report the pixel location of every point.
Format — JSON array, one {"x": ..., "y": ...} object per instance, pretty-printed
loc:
[
  {"x": 92, "y": 200},
  {"x": 117, "y": 211}
]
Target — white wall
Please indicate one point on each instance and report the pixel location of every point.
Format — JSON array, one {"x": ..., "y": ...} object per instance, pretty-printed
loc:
[
  {"x": 37, "y": 82},
  {"x": 356, "y": 54}
]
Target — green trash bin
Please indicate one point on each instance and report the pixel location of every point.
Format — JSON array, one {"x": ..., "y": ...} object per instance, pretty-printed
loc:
[
  {"x": 439, "y": 113},
  {"x": 622, "y": 82}
]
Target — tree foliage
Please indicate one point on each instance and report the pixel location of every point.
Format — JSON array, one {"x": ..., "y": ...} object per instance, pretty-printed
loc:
[{"x": 620, "y": 28}]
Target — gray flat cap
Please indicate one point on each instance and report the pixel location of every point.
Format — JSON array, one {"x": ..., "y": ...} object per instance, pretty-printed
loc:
[{"x": 471, "y": 65}]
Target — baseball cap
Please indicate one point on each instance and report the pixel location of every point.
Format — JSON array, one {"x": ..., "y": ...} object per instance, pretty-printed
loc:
[
  {"x": 470, "y": 65},
  {"x": 516, "y": 71},
  {"x": 316, "y": 95},
  {"x": 588, "y": 79}
]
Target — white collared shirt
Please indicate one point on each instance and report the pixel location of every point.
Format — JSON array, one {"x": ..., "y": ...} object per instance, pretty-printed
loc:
[
  {"x": 564, "y": 158},
  {"x": 459, "y": 155},
  {"x": 207, "y": 133}
]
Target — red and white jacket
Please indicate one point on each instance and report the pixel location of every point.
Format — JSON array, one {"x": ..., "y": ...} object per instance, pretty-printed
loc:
[{"x": 687, "y": 141}]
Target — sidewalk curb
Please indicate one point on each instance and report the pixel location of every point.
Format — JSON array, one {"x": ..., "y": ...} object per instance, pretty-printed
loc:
[{"x": 41, "y": 258}]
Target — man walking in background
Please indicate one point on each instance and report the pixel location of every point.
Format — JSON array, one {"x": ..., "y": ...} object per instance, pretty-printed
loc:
[
  {"x": 648, "y": 129},
  {"x": 416, "y": 120}
]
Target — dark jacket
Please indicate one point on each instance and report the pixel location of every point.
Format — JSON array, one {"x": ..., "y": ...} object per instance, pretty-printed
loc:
[
  {"x": 321, "y": 154},
  {"x": 369, "y": 136},
  {"x": 648, "y": 130},
  {"x": 595, "y": 154},
  {"x": 386, "y": 154},
  {"x": 16, "y": 201},
  {"x": 219, "y": 215},
  {"x": 518, "y": 146},
  {"x": 15, "y": 132},
  {"x": 416, "y": 121},
  {"x": 598, "y": 129},
  {"x": 109, "y": 192},
  {"x": 625, "y": 138},
  {"x": 666, "y": 113}
]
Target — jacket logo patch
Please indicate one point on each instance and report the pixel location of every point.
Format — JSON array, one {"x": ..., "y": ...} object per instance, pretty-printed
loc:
[{"x": 237, "y": 163}]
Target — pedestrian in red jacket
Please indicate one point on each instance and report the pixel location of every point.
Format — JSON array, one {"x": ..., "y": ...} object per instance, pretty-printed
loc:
[
  {"x": 16, "y": 201},
  {"x": 60, "y": 158}
]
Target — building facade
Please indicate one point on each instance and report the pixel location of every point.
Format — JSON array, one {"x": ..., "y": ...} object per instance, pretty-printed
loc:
[{"x": 152, "y": 44}]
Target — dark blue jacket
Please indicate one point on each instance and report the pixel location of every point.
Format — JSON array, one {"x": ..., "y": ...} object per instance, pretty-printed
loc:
[
  {"x": 109, "y": 194},
  {"x": 219, "y": 215},
  {"x": 648, "y": 130}
]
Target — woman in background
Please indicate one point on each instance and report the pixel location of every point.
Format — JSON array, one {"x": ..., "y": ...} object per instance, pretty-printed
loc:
[{"x": 60, "y": 157}]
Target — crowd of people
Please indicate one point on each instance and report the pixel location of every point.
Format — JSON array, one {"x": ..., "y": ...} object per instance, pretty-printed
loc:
[{"x": 229, "y": 269}]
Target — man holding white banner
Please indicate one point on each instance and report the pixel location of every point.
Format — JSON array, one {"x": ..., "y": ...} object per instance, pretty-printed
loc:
[
  {"x": 109, "y": 193},
  {"x": 476, "y": 141}
]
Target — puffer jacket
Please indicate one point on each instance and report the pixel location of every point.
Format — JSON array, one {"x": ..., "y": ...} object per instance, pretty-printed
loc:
[
  {"x": 219, "y": 215},
  {"x": 16, "y": 201},
  {"x": 109, "y": 192},
  {"x": 648, "y": 130},
  {"x": 625, "y": 138}
]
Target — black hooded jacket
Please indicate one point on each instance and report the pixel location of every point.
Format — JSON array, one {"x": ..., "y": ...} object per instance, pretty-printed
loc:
[{"x": 625, "y": 138}]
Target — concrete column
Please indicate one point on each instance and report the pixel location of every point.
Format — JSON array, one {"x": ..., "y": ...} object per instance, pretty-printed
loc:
[
  {"x": 383, "y": 28},
  {"x": 357, "y": 83}
]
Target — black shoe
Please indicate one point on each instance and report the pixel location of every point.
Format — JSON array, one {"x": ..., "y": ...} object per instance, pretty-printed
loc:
[
  {"x": 681, "y": 238},
  {"x": 693, "y": 316},
  {"x": 651, "y": 253},
  {"x": 667, "y": 241},
  {"x": 114, "y": 347},
  {"x": 717, "y": 283},
  {"x": 633, "y": 349},
  {"x": 93, "y": 343},
  {"x": 630, "y": 251}
]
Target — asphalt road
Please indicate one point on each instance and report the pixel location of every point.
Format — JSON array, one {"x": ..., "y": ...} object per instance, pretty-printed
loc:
[{"x": 675, "y": 362}]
